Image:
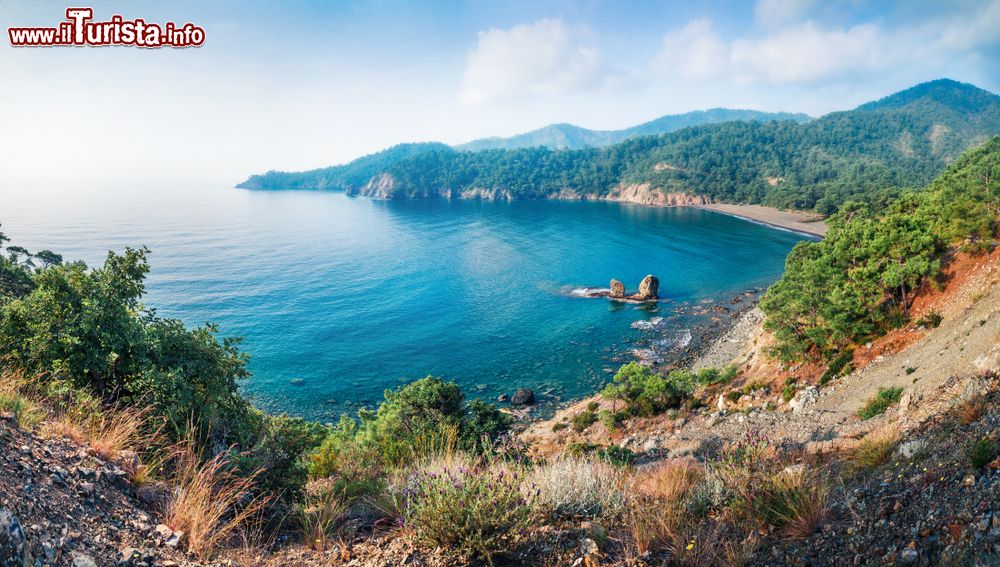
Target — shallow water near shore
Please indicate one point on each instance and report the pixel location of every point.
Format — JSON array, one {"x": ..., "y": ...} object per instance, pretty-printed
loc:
[{"x": 339, "y": 298}]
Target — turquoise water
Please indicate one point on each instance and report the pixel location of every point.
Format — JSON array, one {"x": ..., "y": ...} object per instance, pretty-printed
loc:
[{"x": 338, "y": 298}]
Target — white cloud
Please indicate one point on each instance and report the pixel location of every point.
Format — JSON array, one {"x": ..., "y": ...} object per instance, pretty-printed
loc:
[
  {"x": 786, "y": 50},
  {"x": 540, "y": 58},
  {"x": 779, "y": 12},
  {"x": 694, "y": 51},
  {"x": 805, "y": 52}
]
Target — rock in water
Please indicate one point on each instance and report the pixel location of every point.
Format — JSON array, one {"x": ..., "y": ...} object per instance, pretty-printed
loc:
[
  {"x": 648, "y": 288},
  {"x": 523, "y": 397},
  {"x": 13, "y": 544},
  {"x": 617, "y": 288}
]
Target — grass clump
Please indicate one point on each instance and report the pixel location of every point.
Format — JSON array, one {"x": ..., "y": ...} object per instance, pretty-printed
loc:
[
  {"x": 931, "y": 320},
  {"x": 210, "y": 502},
  {"x": 321, "y": 513},
  {"x": 580, "y": 487},
  {"x": 476, "y": 510},
  {"x": 875, "y": 448},
  {"x": 981, "y": 453},
  {"x": 883, "y": 400}
]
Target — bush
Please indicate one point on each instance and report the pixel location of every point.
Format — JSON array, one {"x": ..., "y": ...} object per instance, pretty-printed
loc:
[
  {"x": 580, "y": 486},
  {"x": 476, "y": 511},
  {"x": 611, "y": 420},
  {"x": 839, "y": 366},
  {"x": 593, "y": 406},
  {"x": 931, "y": 320},
  {"x": 484, "y": 423},
  {"x": 559, "y": 426},
  {"x": 883, "y": 400},
  {"x": 583, "y": 420},
  {"x": 645, "y": 392},
  {"x": 787, "y": 393},
  {"x": 981, "y": 452}
]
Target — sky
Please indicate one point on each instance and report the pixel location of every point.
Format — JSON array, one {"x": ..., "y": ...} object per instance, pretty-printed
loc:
[{"x": 303, "y": 84}]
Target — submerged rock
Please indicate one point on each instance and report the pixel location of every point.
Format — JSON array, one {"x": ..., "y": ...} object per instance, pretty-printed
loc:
[
  {"x": 648, "y": 288},
  {"x": 617, "y": 288},
  {"x": 523, "y": 397}
]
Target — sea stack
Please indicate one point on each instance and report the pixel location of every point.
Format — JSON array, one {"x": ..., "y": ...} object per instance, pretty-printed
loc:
[
  {"x": 617, "y": 289},
  {"x": 648, "y": 288}
]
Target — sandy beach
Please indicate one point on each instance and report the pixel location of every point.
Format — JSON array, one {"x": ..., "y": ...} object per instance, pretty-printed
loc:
[{"x": 799, "y": 221}]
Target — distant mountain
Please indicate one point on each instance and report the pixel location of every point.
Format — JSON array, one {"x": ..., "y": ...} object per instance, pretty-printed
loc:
[
  {"x": 353, "y": 174},
  {"x": 871, "y": 152},
  {"x": 570, "y": 137}
]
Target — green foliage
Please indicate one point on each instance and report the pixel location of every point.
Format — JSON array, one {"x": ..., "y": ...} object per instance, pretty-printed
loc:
[
  {"x": 611, "y": 420},
  {"x": 477, "y": 511},
  {"x": 931, "y": 320},
  {"x": 583, "y": 420},
  {"x": 839, "y": 366},
  {"x": 559, "y": 426},
  {"x": 616, "y": 456},
  {"x": 981, "y": 452},
  {"x": 787, "y": 393},
  {"x": 647, "y": 393},
  {"x": 484, "y": 424},
  {"x": 883, "y": 400},
  {"x": 278, "y": 451},
  {"x": 89, "y": 328},
  {"x": 860, "y": 280}
]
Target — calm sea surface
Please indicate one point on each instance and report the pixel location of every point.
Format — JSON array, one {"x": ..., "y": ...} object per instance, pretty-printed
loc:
[{"x": 339, "y": 298}]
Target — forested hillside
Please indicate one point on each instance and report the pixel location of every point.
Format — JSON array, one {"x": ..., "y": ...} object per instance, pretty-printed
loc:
[
  {"x": 877, "y": 149},
  {"x": 570, "y": 137},
  {"x": 859, "y": 282}
]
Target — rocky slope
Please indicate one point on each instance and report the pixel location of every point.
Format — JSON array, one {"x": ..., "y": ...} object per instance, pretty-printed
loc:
[{"x": 61, "y": 504}]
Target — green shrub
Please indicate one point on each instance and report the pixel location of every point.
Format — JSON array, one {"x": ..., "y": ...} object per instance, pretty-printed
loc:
[
  {"x": 734, "y": 395},
  {"x": 883, "y": 400},
  {"x": 788, "y": 392},
  {"x": 592, "y": 406},
  {"x": 839, "y": 366},
  {"x": 981, "y": 452},
  {"x": 617, "y": 456},
  {"x": 611, "y": 420},
  {"x": 647, "y": 393},
  {"x": 559, "y": 426},
  {"x": 931, "y": 320},
  {"x": 483, "y": 425},
  {"x": 475, "y": 511},
  {"x": 583, "y": 420}
]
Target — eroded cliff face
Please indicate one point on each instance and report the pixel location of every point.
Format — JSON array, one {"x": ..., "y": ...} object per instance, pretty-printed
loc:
[
  {"x": 386, "y": 186},
  {"x": 645, "y": 194}
]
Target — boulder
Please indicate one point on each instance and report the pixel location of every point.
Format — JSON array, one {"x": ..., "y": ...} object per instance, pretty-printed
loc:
[
  {"x": 648, "y": 288},
  {"x": 617, "y": 289},
  {"x": 13, "y": 545},
  {"x": 523, "y": 397}
]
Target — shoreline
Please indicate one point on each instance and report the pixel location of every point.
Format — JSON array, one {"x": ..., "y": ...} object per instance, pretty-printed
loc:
[{"x": 809, "y": 224}]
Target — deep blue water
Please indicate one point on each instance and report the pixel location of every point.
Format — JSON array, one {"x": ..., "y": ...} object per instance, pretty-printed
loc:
[{"x": 338, "y": 298}]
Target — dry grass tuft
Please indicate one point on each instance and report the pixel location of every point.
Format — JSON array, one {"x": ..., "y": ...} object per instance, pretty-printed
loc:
[
  {"x": 971, "y": 409},
  {"x": 802, "y": 501},
  {"x": 657, "y": 504},
  {"x": 16, "y": 399},
  {"x": 210, "y": 502},
  {"x": 875, "y": 448},
  {"x": 118, "y": 430},
  {"x": 322, "y": 513},
  {"x": 580, "y": 487}
]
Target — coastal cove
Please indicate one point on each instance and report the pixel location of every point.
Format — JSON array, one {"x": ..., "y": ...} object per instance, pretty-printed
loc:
[{"x": 339, "y": 298}]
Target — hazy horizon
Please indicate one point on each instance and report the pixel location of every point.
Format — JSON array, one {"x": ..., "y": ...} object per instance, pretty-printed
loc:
[{"x": 309, "y": 85}]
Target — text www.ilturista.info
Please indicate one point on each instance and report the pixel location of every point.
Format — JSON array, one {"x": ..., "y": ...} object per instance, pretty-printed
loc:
[{"x": 79, "y": 30}]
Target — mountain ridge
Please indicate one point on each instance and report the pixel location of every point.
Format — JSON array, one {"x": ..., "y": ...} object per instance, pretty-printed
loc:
[
  {"x": 882, "y": 147},
  {"x": 567, "y": 136}
]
